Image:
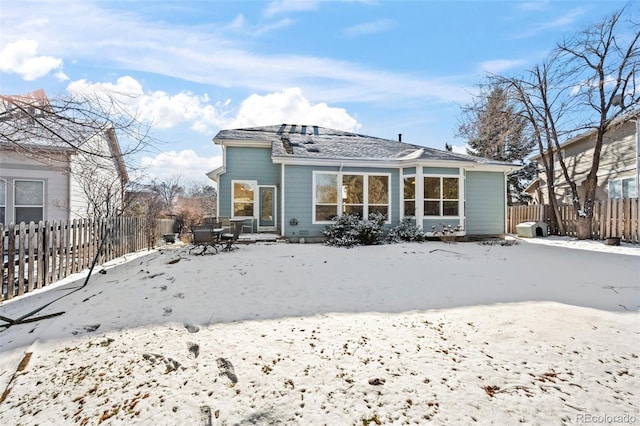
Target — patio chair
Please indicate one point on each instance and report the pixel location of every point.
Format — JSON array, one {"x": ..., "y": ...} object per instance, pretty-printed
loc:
[
  {"x": 205, "y": 237},
  {"x": 229, "y": 239}
]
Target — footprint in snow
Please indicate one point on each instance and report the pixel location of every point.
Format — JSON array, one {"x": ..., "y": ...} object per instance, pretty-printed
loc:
[
  {"x": 194, "y": 350},
  {"x": 192, "y": 328},
  {"x": 167, "y": 311},
  {"x": 86, "y": 329},
  {"x": 227, "y": 370}
]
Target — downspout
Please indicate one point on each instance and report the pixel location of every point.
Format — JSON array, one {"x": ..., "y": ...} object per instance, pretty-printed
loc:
[
  {"x": 506, "y": 203},
  {"x": 282, "y": 212},
  {"x": 637, "y": 157}
]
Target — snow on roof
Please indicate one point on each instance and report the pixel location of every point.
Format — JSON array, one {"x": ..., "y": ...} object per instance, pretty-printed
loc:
[{"x": 292, "y": 140}]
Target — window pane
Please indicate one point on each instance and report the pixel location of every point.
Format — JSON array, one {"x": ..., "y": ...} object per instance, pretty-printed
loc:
[
  {"x": 410, "y": 188},
  {"x": 29, "y": 193},
  {"x": 28, "y": 214},
  {"x": 350, "y": 209},
  {"x": 409, "y": 208},
  {"x": 379, "y": 209},
  {"x": 432, "y": 208},
  {"x": 629, "y": 188},
  {"x": 450, "y": 188},
  {"x": 243, "y": 209},
  {"x": 3, "y": 193},
  {"x": 326, "y": 212},
  {"x": 450, "y": 208},
  {"x": 378, "y": 190},
  {"x": 326, "y": 189},
  {"x": 352, "y": 189},
  {"x": 242, "y": 192},
  {"x": 2, "y": 215},
  {"x": 432, "y": 187},
  {"x": 615, "y": 189}
]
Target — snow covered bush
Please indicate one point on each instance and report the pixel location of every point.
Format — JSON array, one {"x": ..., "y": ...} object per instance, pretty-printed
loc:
[
  {"x": 349, "y": 230},
  {"x": 446, "y": 233},
  {"x": 406, "y": 230}
]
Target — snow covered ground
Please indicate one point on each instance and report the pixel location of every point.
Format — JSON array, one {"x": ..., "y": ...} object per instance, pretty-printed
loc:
[{"x": 546, "y": 331}]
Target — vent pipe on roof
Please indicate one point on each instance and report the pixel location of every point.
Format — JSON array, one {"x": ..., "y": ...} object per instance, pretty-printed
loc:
[{"x": 399, "y": 137}]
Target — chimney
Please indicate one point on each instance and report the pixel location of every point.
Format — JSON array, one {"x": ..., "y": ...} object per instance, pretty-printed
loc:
[{"x": 399, "y": 137}]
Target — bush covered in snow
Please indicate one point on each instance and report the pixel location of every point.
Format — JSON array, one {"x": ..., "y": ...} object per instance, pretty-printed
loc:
[
  {"x": 350, "y": 230},
  {"x": 406, "y": 230}
]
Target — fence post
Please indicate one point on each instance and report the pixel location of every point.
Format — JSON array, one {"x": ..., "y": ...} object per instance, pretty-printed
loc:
[
  {"x": 2, "y": 282},
  {"x": 22, "y": 240}
]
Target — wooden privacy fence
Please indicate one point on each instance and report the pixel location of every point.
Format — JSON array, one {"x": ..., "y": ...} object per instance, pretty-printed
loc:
[
  {"x": 34, "y": 255},
  {"x": 611, "y": 218}
]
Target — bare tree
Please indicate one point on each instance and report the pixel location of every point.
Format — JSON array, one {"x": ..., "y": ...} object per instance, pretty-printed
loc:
[
  {"x": 587, "y": 84},
  {"x": 90, "y": 136},
  {"x": 167, "y": 191},
  {"x": 604, "y": 60}
]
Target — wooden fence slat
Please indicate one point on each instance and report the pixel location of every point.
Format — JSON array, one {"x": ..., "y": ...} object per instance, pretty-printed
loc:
[
  {"x": 32, "y": 259},
  {"x": 11, "y": 261},
  {"x": 21, "y": 253}
]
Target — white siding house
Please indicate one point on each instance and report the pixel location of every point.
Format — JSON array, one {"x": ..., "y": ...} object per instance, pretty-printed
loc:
[{"x": 44, "y": 179}]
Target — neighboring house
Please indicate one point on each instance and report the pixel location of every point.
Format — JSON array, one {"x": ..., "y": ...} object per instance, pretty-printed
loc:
[
  {"x": 293, "y": 179},
  {"x": 617, "y": 173},
  {"x": 78, "y": 173}
]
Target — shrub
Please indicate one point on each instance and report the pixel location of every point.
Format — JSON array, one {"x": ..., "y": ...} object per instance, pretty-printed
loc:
[
  {"x": 349, "y": 230},
  {"x": 446, "y": 233},
  {"x": 406, "y": 230}
]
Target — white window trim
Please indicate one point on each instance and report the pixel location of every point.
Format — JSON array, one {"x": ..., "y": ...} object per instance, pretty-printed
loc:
[
  {"x": 365, "y": 189},
  {"x": 254, "y": 185},
  {"x": 415, "y": 195},
  {"x": 459, "y": 199},
  {"x": 3, "y": 219}
]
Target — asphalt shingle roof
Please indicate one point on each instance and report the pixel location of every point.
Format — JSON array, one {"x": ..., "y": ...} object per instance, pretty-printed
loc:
[{"x": 291, "y": 141}]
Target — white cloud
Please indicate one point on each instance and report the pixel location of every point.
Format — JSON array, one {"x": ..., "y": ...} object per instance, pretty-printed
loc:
[
  {"x": 287, "y": 6},
  {"x": 562, "y": 22},
  {"x": 499, "y": 65},
  {"x": 163, "y": 110},
  {"x": 290, "y": 106},
  {"x": 368, "y": 28},
  {"x": 21, "y": 58},
  {"x": 187, "y": 164}
]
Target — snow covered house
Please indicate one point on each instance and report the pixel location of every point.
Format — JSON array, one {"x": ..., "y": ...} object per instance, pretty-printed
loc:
[
  {"x": 292, "y": 179},
  {"x": 55, "y": 169}
]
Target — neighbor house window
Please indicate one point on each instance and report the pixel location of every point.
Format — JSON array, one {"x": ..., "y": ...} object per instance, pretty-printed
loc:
[
  {"x": 441, "y": 196},
  {"x": 350, "y": 193},
  {"x": 243, "y": 198},
  {"x": 410, "y": 196},
  {"x": 3, "y": 201},
  {"x": 28, "y": 200},
  {"x": 623, "y": 188}
]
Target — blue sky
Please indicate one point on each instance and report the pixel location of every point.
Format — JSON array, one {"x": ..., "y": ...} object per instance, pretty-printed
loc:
[{"x": 195, "y": 67}]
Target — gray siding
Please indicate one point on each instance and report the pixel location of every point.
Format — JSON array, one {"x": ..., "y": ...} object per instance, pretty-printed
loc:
[
  {"x": 485, "y": 203},
  {"x": 247, "y": 164}
]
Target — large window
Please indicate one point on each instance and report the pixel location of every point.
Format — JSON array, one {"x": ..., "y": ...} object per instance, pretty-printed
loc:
[
  {"x": 28, "y": 200},
  {"x": 350, "y": 193},
  {"x": 243, "y": 198},
  {"x": 441, "y": 196},
  {"x": 3, "y": 201},
  {"x": 623, "y": 188},
  {"x": 410, "y": 196}
]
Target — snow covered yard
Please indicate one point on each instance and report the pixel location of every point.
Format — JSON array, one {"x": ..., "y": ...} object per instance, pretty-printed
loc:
[{"x": 308, "y": 334}]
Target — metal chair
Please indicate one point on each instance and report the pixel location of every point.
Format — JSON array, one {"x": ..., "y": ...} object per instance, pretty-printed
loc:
[
  {"x": 229, "y": 239},
  {"x": 205, "y": 237}
]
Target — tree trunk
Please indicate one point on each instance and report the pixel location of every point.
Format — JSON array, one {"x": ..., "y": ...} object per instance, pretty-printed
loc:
[{"x": 583, "y": 228}]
